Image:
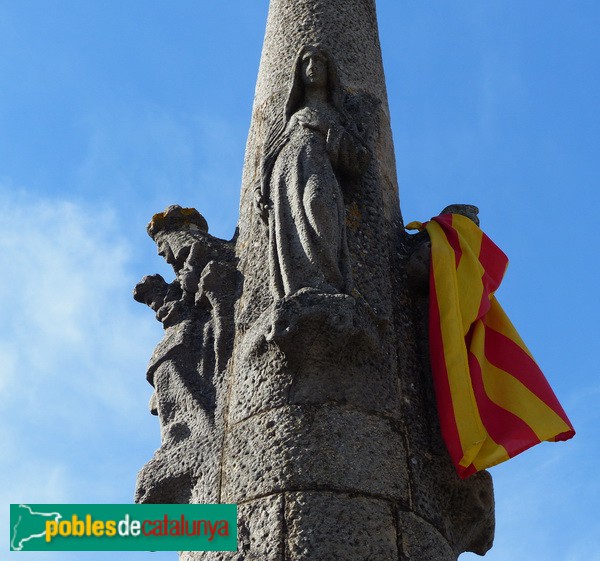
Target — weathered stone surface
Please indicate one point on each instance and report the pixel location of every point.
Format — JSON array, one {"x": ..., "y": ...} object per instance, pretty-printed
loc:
[
  {"x": 261, "y": 528},
  {"x": 347, "y": 29},
  {"x": 184, "y": 472},
  {"x": 261, "y": 533},
  {"x": 323, "y": 447},
  {"x": 471, "y": 517},
  {"x": 420, "y": 541},
  {"x": 318, "y": 359},
  {"x": 263, "y": 383},
  {"x": 325, "y": 525}
]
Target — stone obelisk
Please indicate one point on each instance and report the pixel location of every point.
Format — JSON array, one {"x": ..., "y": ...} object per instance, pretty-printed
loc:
[{"x": 293, "y": 378}]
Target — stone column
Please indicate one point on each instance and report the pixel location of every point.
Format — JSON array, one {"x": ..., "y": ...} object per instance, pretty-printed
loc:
[
  {"x": 331, "y": 447},
  {"x": 320, "y": 421}
]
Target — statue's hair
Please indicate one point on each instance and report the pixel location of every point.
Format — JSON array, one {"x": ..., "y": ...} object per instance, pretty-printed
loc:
[{"x": 335, "y": 93}]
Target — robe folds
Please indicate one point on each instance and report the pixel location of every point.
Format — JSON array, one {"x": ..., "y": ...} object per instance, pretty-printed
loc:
[{"x": 307, "y": 232}]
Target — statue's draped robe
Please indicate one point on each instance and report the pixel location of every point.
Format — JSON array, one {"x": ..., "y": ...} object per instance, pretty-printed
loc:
[{"x": 307, "y": 232}]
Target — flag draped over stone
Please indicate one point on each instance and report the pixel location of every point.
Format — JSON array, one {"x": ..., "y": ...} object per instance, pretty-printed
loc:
[{"x": 493, "y": 400}]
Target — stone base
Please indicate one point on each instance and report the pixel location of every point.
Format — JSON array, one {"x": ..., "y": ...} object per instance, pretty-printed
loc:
[{"x": 326, "y": 526}]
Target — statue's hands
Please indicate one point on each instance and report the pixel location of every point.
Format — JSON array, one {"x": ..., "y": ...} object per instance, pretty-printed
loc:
[
  {"x": 312, "y": 119},
  {"x": 151, "y": 290},
  {"x": 188, "y": 279}
]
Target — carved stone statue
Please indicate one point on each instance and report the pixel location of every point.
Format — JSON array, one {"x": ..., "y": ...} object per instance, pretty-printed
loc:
[
  {"x": 187, "y": 367},
  {"x": 305, "y": 159}
]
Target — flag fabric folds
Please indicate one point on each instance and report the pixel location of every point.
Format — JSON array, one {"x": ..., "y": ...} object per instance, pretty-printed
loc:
[{"x": 493, "y": 401}]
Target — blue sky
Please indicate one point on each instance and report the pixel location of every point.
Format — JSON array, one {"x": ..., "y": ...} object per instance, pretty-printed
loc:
[{"x": 110, "y": 111}]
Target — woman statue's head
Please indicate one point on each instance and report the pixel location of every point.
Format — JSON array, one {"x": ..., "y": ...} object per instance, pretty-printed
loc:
[{"x": 313, "y": 68}]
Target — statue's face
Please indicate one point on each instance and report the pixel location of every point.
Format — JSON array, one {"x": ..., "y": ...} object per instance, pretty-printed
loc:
[
  {"x": 314, "y": 70},
  {"x": 165, "y": 251}
]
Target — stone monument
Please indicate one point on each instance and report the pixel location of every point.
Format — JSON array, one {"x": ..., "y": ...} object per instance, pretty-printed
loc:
[{"x": 293, "y": 377}]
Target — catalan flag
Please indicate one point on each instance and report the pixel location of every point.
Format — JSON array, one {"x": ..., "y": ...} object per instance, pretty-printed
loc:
[{"x": 493, "y": 401}]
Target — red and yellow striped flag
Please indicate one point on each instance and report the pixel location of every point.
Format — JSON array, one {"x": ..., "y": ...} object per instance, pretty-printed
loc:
[{"x": 493, "y": 400}]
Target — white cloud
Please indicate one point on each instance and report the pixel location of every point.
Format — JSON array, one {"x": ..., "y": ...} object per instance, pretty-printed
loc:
[
  {"x": 73, "y": 351},
  {"x": 68, "y": 324}
]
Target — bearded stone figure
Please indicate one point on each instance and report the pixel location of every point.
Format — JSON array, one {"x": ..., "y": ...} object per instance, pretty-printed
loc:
[{"x": 306, "y": 157}]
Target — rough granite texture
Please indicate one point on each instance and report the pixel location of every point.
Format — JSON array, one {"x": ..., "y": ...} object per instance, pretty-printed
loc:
[{"x": 293, "y": 377}]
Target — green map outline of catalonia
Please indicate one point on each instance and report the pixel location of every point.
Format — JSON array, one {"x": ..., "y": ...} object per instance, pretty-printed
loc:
[{"x": 30, "y": 522}]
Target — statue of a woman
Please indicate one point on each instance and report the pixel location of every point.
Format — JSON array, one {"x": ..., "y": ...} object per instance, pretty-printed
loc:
[{"x": 304, "y": 161}]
